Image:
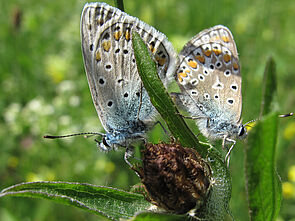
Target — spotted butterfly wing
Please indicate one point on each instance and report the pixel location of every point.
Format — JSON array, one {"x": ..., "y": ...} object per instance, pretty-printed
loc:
[
  {"x": 123, "y": 106},
  {"x": 210, "y": 81}
]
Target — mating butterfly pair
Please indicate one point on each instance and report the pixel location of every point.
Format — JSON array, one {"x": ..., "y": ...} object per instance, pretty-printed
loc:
[{"x": 207, "y": 71}]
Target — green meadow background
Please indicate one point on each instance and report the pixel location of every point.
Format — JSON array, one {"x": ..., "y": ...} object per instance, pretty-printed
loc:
[{"x": 43, "y": 90}]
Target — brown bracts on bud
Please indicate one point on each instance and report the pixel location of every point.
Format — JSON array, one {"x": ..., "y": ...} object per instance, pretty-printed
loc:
[{"x": 176, "y": 179}]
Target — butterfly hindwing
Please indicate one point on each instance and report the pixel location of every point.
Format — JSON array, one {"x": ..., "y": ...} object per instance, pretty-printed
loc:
[{"x": 209, "y": 71}]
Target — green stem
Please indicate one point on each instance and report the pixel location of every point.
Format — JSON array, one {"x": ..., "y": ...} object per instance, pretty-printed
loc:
[{"x": 119, "y": 4}]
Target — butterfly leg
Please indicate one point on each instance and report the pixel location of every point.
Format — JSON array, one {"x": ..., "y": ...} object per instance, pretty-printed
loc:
[
  {"x": 227, "y": 156},
  {"x": 128, "y": 154},
  {"x": 190, "y": 117},
  {"x": 193, "y": 215}
]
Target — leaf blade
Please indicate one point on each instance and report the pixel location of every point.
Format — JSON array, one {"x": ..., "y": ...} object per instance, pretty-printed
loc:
[
  {"x": 269, "y": 87},
  {"x": 263, "y": 183},
  {"x": 149, "y": 216},
  {"x": 160, "y": 97},
  {"x": 105, "y": 201}
]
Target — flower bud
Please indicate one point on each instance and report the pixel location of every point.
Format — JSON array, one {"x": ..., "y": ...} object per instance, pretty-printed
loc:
[{"x": 176, "y": 179}]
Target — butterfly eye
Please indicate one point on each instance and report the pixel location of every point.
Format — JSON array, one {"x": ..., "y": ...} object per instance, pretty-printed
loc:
[
  {"x": 242, "y": 131},
  {"x": 105, "y": 142}
]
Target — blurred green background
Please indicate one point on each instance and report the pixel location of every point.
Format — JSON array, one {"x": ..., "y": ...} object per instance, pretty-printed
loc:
[{"x": 43, "y": 90}]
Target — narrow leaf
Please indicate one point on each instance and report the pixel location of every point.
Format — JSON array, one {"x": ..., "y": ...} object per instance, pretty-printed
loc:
[
  {"x": 160, "y": 97},
  {"x": 263, "y": 183},
  {"x": 269, "y": 87},
  {"x": 149, "y": 216},
  {"x": 119, "y": 4},
  {"x": 109, "y": 202}
]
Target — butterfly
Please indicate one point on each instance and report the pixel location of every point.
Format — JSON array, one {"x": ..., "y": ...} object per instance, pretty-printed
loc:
[
  {"x": 210, "y": 81},
  {"x": 121, "y": 102}
]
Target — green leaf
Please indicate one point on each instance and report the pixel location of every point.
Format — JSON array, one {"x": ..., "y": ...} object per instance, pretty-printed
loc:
[
  {"x": 119, "y": 4},
  {"x": 263, "y": 183},
  {"x": 149, "y": 216},
  {"x": 160, "y": 97},
  {"x": 217, "y": 202},
  {"x": 105, "y": 201},
  {"x": 269, "y": 87}
]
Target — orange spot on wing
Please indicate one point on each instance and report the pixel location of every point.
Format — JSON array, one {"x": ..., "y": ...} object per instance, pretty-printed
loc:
[
  {"x": 193, "y": 64},
  {"x": 200, "y": 58},
  {"x": 208, "y": 53},
  {"x": 182, "y": 74},
  {"x": 161, "y": 61},
  {"x": 236, "y": 66},
  {"x": 97, "y": 56},
  {"x": 127, "y": 35},
  {"x": 215, "y": 38},
  {"x": 217, "y": 51},
  {"x": 117, "y": 35},
  {"x": 226, "y": 58},
  {"x": 180, "y": 79},
  {"x": 106, "y": 45},
  {"x": 225, "y": 39},
  {"x": 152, "y": 49}
]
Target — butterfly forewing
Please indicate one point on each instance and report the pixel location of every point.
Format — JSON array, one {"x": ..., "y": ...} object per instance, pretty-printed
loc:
[{"x": 110, "y": 64}]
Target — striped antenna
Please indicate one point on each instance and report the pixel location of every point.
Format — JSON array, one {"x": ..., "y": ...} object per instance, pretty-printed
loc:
[
  {"x": 246, "y": 124},
  {"x": 286, "y": 115},
  {"x": 72, "y": 135},
  {"x": 281, "y": 116}
]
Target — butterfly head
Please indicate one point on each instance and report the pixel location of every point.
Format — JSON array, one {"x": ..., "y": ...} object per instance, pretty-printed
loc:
[
  {"x": 104, "y": 145},
  {"x": 242, "y": 132},
  {"x": 110, "y": 141}
]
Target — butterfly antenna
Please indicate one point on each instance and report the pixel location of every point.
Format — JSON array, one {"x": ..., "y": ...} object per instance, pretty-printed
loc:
[
  {"x": 72, "y": 135},
  {"x": 246, "y": 124},
  {"x": 281, "y": 116},
  {"x": 286, "y": 115}
]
